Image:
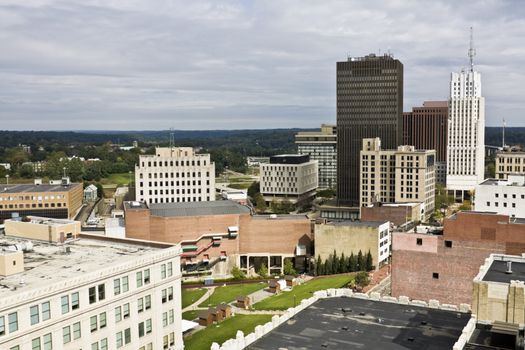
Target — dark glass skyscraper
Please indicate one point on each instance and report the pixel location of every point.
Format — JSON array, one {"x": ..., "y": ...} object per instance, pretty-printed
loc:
[{"x": 369, "y": 104}]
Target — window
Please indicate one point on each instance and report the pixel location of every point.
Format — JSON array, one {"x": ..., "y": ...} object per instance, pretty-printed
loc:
[
  {"x": 92, "y": 295},
  {"x": 146, "y": 276},
  {"x": 16, "y": 347},
  {"x": 46, "y": 311},
  {"x": 164, "y": 319},
  {"x": 141, "y": 329},
  {"x": 48, "y": 341},
  {"x": 448, "y": 244},
  {"x": 2, "y": 325},
  {"x": 139, "y": 279},
  {"x": 147, "y": 302},
  {"x": 94, "y": 346},
  {"x": 148, "y": 326},
  {"x": 127, "y": 336},
  {"x": 125, "y": 310},
  {"x": 76, "y": 330},
  {"x": 118, "y": 314},
  {"x": 66, "y": 334},
  {"x": 163, "y": 271},
  {"x": 75, "y": 303},
  {"x": 140, "y": 304},
  {"x": 119, "y": 339},
  {"x": 170, "y": 269},
  {"x": 435, "y": 275},
  {"x": 125, "y": 284},
  {"x": 419, "y": 241},
  {"x": 102, "y": 320},
  {"x": 13, "y": 322},
  {"x": 104, "y": 344},
  {"x": 35, "y": 344},
  {"x": 101, "y": 292},
  {"x": 34, "y": 313},
  {"x": 93, "y": 323},
  {"x": 116, "y": 286}
]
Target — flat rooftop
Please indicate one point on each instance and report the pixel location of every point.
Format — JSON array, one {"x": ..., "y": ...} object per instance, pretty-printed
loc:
[
  {"x": 198, "y": 208},
  {"x": 30, "y": 188},
  {"x": 49, "y": 263},
  {"x": 366, "y": 324},
  {"x": 356, "y": 223},
  {"x": 497, "y": 272},
  {"x": 281, "y": 217},
  {"x": 48, "y": 221}
]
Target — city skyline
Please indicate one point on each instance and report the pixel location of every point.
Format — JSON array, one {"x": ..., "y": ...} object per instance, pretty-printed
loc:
[{"x": 240, "y": 64}]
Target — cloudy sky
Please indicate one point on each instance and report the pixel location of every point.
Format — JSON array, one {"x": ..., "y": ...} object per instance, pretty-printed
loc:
[{"x": 192, "y": 64}]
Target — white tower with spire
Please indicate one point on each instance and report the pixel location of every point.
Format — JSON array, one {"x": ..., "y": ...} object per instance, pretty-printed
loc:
[{"x": 466, "y": 130}]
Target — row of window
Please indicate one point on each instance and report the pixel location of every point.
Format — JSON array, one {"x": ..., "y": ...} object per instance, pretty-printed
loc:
[
  {"x": 33, "y": 205},
  {"x": 173, "y": 163},
  {"x": 173, "y": 200},
  {"x": 174, "y": 183},
  {"x": 31, "y": 198}
]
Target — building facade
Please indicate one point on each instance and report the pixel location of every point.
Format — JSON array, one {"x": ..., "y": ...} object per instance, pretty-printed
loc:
[
  {"x": 506, "y": 197},
  {"x": 350, "y": 237},
  {"x": 509, "y": 161},
  {"x": 96, "y": 294},
  {"x": 174, "y": 175},
  {"x": 292, "y": 177},
  {"x": 321, "y": 146},
  {"x": 405, "y": 175},
  {"x": 60, "y": 201},
  {"x": 466, "y": 133},
  {"x": 426, "y": 127},
  {"x": 369, "y": 104}
]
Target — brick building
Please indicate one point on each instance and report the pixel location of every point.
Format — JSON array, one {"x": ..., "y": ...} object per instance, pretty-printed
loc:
[
  {"x": 217, "y": 235},
  {"x": 442, "y": 266}
]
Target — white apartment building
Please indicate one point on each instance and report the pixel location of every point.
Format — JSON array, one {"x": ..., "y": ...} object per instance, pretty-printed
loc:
[
  {"x": 405, "y": 175},
  {"x": 502, "y": 196},
  {"x": 174, "y": 175},
  {"x": 289, "y": 176},
  {"x": 89, "y": 294},
  {"x": 321, "y": 146},
  {"x": 510, "y": 161},
  {"x": 466, "y": 133}
]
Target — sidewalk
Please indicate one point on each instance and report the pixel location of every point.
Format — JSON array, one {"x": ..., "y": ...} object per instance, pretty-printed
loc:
[{"x": 195, "y": 305}]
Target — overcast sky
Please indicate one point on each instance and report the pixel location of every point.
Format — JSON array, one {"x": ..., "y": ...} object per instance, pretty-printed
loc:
[{"x": 191, "y": 64}]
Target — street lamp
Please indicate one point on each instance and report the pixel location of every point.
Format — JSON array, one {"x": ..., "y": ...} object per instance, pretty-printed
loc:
[{"x": 7, "y": 179}]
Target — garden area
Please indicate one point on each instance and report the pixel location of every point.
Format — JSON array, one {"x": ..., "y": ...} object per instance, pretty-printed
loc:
[
  {"x": 228, "y": 293},
  {"x": 189, "y": 296}
]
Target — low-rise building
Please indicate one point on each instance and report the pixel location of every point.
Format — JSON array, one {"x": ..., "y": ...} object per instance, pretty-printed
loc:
[
  {"x": 502, "y": 196},
  {"x": 174, "y": 174},
  {"x": 256, "y": 161},
  {"x": 61, "y": 201},
  {"x": 350, "y": 237},
  {"x": 397, "y": 213},
  {"x": 90, "y": 193},
  {"x": 239, "y": 196},
  {"x": 43, "y": 229},
  {"x": 291, "y": 177},
  {"x": 321, "y": 146},
  {"x": 89, "y": 293},
  {"x": 509, "y": 161}
]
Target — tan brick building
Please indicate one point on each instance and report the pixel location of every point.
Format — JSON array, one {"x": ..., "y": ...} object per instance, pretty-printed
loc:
[{"x": 509, "y": 162}]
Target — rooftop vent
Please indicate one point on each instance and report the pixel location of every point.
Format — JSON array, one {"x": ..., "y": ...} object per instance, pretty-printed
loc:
[{"x": 509, "y": 267}]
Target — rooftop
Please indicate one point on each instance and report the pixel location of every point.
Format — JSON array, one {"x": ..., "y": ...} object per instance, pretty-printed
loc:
[
  {"x": 48, "y": 221},
  {"x": 351, "y": 323},
  {"x": 48, "y": 263},
  {"x": 356, "y": 223},
  {"x": 31, "y": 188},
  {"x": 513, "y": 180},
  {"x": 497, "y": 271},
  {"x": 281, "y": 217},
  {"x": 197, "y": 208}
]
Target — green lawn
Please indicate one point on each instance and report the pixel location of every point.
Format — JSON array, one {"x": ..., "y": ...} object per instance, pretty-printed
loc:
[
  {"x": 190, "y": 315},
  {"x": 223, "y": 331},
  {"x": 285, "y": 300},
  {"x": 227, "y": 294},
  {"x": 240, "y": 185},
  {"x": 189, "y": 296},
  {"x": 240, "y": 178},
  {"x": 119, "y": 179}
]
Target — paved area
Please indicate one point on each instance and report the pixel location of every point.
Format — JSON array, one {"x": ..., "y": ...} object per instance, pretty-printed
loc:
[
  {"x": 195, "y": 305},
  {"x": 351, "y": 323}
]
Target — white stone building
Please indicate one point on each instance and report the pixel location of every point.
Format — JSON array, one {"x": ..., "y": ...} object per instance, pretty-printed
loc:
[
  {"x": 293, "y": 177},
  {"x": 502, "y": 196},
  {"x": 175, "y": 175},
  {"x": 466, "y": 132},
  {"x": 509, "y": 161},
  {"x": 89, "y": 294}
]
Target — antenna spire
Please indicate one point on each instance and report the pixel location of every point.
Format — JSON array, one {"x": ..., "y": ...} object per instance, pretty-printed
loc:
[
  {"x": 471, "y": 50},
  {"x": 504, "y": 124}
]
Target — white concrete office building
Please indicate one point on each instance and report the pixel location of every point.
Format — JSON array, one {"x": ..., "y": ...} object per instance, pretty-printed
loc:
[
  {"x": 466, "y": 132},
  {"x": 174, "y": 175},
  {"x": 89, "y": 294},
  {"x": 502, "y": 196}
]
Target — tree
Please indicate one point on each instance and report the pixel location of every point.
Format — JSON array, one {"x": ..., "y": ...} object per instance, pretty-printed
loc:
[
  {"x": 263, "y": 271},
  {"x": 466, "y": 206},
  {"x": 318, "y": 266},
  {"x": 335, "y": 266},
  {"x": 369, "y": 261},
  {"x": 361, "y": 262},
  {"x": 288, "y": 268},
  {"x": 237, "y": 273},
  {"x": 260, "y": 203},
  {"x": 329, "y": 265},
  {"x": 3, "y": 172},
  {"x": 352, "y": 263},
  {"x": 254, "y": 189},
  {"x": 343, "y": 264},
  {"x": 361, "y": 279},
  {"x": 26, "y": 171}
]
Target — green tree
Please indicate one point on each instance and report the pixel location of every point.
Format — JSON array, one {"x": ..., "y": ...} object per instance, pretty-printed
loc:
[
  {"x": 263, "y": 271},
  {"x": 336, "y": 264},
  {"x": 343, "y": 264},
  {"x": 254, "y": 189},
  {"x": 318, "y": 264},
  {"x": 369, "y": 261},
  {"x": 237, "y": 273},
  {"x": 361, "y": 262},
  {"x": 466, "y": 206},
  {"x": 288, "y": 268},
  {"x": 16, "y": 156},
  {"x": 260, "y": 203},
  {"x": 329, "y": 265},
  {"x": 75, "y": 169},
  {"x": 352, "y": 263},
  {"x": 26, "y": 171},
  {"x": 361, "y": 279},
  {"x": 3, "y": 172}
]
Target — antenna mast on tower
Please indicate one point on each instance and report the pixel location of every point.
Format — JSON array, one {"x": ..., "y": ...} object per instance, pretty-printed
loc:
[
  {"x": 172, "y": 141},
  {"x": 504, "y": 133},
  {"x": 471, "y": 50}
]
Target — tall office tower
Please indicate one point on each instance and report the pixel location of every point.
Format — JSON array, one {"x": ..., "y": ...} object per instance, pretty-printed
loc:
[
  {"x": 466, "y": 131},
  {"x": 321, "y": 146},
  {"x": 369, "y": 104},
  {"x": 426, "y": 128},
  {"x": 175, "y": 174}
]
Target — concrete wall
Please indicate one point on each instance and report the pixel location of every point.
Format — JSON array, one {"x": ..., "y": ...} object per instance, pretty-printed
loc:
[
  {"x": 42, "y": 232},
  {"x": 396, "y": 214},
  {"x": 11, "y": 263}
]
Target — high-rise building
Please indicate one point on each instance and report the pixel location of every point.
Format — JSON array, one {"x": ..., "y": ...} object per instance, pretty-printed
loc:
[
  {"x": 426, "y": 128},
  {"x": 321, "y": 146},
  {"x": 369, "y": 104},
  {"x": 175, "y": 174},
  {"x": 466, "y": 132}
]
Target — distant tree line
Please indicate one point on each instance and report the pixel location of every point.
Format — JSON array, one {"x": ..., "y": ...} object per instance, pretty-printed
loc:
[{"x": 341, "y": 264}]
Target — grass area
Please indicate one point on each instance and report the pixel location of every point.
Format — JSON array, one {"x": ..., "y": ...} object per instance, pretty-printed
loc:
[
  {"x": 119, "y": 179},
  {"x": 189, "y": 296},
  {"x": 190, "y": 315},
  {"x": 225, "y": 330},
  {"x": 240, "y": 178},
  {"x": 240, "y": 186},
  {"x": 285, "y": 300},
  {"x": 227, "y": 294}
]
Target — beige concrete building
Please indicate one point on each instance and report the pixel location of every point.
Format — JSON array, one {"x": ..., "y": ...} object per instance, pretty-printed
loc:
[
  {"x": 510, "y": 161},
  {"x": 353, "y": 236},
  {"x": 60, "y": 201},
  {"x": 499, "y": 290},
  {"x": 174, "y": 175},
  {"x": 289, "y": 176},
  {"x": 43, "y": 229},
  {"x": 405, "y": 175},
  {"x": 89, "y": 293}
]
